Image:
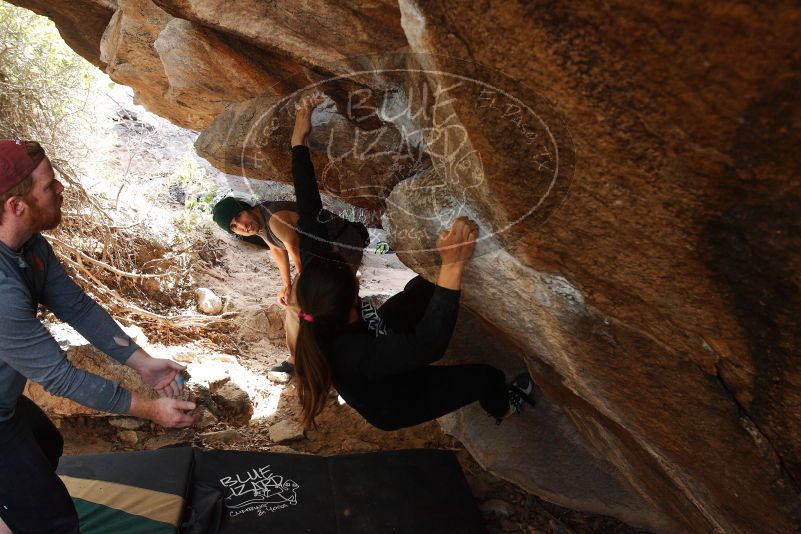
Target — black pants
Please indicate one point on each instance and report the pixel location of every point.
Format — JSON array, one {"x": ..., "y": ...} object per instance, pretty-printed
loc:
[
  {"x": 32, "y": 498},
  {"x": 434, "y": 390}
]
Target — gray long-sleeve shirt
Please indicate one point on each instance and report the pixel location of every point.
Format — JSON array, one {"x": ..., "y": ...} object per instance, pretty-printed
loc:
[{"x": 34, "y": 276}]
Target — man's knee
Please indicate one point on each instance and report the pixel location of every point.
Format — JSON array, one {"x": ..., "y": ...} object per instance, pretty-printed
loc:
[
  {"x": 56, "y": 449},
  {"x": 66, "y": 524},
  {"x": 385, "y": 425}
]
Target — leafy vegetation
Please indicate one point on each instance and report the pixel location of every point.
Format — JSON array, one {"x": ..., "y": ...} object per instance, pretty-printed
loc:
[{"x": 45, "y": 88}]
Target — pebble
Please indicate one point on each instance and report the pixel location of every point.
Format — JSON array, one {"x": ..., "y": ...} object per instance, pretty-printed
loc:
[
  {"x": 496, "y": 507},
  {"x": 278, "y": 377},
  {"x": 128, "y": 436},
  {"x": 223, "y": 358},
  {"x": 126, "y": 423},
  {"x": 184, "y": 357},
  {"x": 286, "y": 430},
  {"x": 205, "y": 418},
  {"x": 509, "y": 526},
  {"x": 208, "y": 302},
  {"x": 221, "y": 436}
]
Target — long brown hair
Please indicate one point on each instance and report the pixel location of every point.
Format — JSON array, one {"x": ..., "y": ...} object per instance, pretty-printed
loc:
[{"x": 327, "y": 290}]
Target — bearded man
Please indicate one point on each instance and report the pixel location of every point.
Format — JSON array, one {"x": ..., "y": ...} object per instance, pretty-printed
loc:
[{"x": 32, "y": 497}]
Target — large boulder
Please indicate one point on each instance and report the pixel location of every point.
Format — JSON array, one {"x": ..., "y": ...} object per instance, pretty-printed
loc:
[
  {"x": 633, "y": 170},
  {"x": 90, "y": 359},
  {"x": 540, "y": 449},
  {"x": 359, "y": 165},
  {"x": 654, "y": 304},
  {"x": 317, "y": 33},
  {"x": 182, "y": 70}
]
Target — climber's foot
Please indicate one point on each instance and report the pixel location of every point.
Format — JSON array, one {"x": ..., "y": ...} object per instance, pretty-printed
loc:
[
  {"x": 520, "y": 393},
  {"x": 382, "y": 247},
  {"x": 283, "y": 367}
]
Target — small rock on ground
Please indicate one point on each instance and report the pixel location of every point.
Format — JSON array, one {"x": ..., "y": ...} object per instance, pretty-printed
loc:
[
  {"x": 208, "y": 302},
  {"x": 205, "y": 418},
  {"x": 128, "y": 436},
  {"x": 221, "y": 436},
  {"x": 278, "y": 377},
  {"x": 171, "y": 438},
  {"x": 125, "y": 423},
  {"x": 496, "y": 507},
  {"x": 233, "y": 402},
  {"x": 286, "y": 430},
  {"x": 284, "y": 449}
]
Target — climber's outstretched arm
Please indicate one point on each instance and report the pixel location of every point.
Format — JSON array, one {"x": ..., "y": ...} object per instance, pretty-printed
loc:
[{"x": 314, "y": 239}]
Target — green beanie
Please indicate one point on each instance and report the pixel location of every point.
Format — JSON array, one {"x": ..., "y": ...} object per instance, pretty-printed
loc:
[{"x": 226, "y": 209}]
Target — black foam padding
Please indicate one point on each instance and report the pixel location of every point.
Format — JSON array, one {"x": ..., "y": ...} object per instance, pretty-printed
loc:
[
  {"x": 414, "y": 491},
  {"x": 268, "y": 492},
  {"x": 165, "y": 470}
]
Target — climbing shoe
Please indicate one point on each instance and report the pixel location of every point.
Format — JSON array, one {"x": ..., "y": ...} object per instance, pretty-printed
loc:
[
  {"x": 382, "y": 247},
  {"x": 520, "y": 393},
  {"x": 283, "y": 367}
]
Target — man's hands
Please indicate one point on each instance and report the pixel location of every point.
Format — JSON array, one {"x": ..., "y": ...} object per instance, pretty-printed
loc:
[
  {"x": 283, "y": 295},
  {"x": 167, "y": 412},
  {"x": 160, "y": 374},
  {"x": 303, "y": 119},
  {"x": 163, "y": 376},
  {"x": 456, "y": 247}
]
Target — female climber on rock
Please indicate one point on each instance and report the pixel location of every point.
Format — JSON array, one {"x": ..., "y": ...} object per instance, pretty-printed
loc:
[{"x": 380, "y": 360}]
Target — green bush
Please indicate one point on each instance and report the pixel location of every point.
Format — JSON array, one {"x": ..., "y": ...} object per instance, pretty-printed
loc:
[{"x": 44, "y": 86}]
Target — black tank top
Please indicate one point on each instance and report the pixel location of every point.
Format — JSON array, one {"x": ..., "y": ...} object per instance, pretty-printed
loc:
[
  {"x": 335, "y": 224},
  {"x": 267, "y": 209}
]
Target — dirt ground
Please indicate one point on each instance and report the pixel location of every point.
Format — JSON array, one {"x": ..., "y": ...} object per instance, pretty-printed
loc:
[{"x": 245, "y": 277}]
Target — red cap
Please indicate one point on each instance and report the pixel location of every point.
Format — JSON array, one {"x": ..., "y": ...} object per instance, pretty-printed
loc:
[{"x": 15, "y": 163}]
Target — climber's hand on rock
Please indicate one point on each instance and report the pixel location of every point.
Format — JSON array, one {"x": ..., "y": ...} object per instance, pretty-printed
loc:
[
  {"x": 456, "y": 246},
  {"x": 303, "y": 119}
]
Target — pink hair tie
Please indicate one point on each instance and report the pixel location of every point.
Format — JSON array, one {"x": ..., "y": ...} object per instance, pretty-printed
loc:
[{"x": 306, "y": 317}]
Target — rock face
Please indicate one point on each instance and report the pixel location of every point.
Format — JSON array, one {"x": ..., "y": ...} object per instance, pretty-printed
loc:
[
  {"x": 232, "y": 402},
  {"x": 286, "y": 430},
  {"x": 259, "y": 322},
  {"x": 88, "y": 358},
  {"x": 633, "y": 169},
  {"x": 540, "y": 449},
  {"x": 656, "y": 299},
  {"x": 358, "y": 165}
]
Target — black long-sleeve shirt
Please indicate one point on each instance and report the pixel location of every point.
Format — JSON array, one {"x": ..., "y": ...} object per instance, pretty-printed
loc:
[
  {"x": 363, "y": 357},
  {"x": 314, "y": 238}
]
